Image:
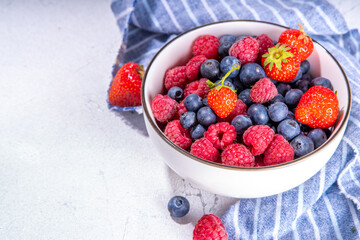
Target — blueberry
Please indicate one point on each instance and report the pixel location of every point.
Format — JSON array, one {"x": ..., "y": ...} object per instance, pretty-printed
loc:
[
  {"x": 238, "y": 86},
  {"x": 175, "y": 93},
  {"x": 318, "y": 136},
  {"x": 303, "y": 85},
  {"x": 302, "y": 145},
  {"x": 277, "y": 98},
  {"x": 197, "y": 131},
  {"x": 250, "y": 73},
  {"x": 258, "y": 114},
  {"x": 289, "y": 129},
  {"x": 188, "y": 119},
  {"x": 278, "y": 111},
  {"x": 227, "y": 38},
  {"x": 283, "y": 88},
  {"x": 240, "y": 37},
  {"x": 178, "y": 206},
  {"x": 204, "y": 102},
  {"x": 305, "y": 66},
  {"x": 193, "y": 102},
  {"x": 271, "y": 125},
  {"x": 321, "y": 81},
  {"x": 227, "y": 63},
  {"x": 210, "y": 69},
  {"x": 206, "y": 116},
  {"x": 307, "y": 76},
  {"x": 227, "y": 82},
  {"x": 241, "y": 123},
  {"x": 290, "y": 115},
  {"x": 292, "y": 97},
  {"x": 298, "y": 77},
  {"x": 223, "y": 49},
  {"x": 244, "y": 96}
]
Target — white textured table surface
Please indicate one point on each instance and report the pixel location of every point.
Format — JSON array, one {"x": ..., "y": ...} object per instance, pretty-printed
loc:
[{"x": 70, "y": 168}]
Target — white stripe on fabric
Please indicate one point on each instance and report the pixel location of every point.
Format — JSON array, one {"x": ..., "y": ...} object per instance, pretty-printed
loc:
[
  {"x": 228, "y": 8},
  {"x": 355, "y": 98},
  {"x": 151, "y": 14},
  {"x": 208, "y": 9},
  {"x": 134, "y": 20},
  {"x": 354, "y": 178},
  {"x": 356, "y": 44},
  {"x": 332, "y": 217},
  {"x": 190, "y": 13},
  {"x": 346, "y": 139},
  {"x": 171, "y": 14},
  {"x": 253, "y": 12},
  {"x": 124, "y": 12},
  {"x": 142, "y": 42},
  {"x": 321, "y": 181},
  {"x": 275, "y": 12},
  {"x": 355, "y": 121},
  {"x": 236, "y": 221},
  {"x": 299, "y": 210},
  {"x": 354, "y": 216},
  {"x": 277, "y": 216},
  {"x": 313, "y": 223},
  {"x": 256, "y": 218}
]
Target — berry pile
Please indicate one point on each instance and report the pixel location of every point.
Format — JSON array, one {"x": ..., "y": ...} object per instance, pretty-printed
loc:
[{"x": 247, "y": 101}]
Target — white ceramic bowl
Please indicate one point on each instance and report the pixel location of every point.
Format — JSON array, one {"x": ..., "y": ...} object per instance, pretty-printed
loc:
[{"x": 231, "y": 181}]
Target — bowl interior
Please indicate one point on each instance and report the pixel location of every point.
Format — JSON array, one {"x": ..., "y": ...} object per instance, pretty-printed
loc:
[{"x": 178, "y": 51}]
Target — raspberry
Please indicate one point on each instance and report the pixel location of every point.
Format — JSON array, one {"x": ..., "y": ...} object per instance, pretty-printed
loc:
[
  {"x": 221, "y": 134},
  {"x": 199, "y": 87},
  {"x": 164, "y": 108},
  {"x": 206, "y": 45},
  {"x": 177, "y": 134},
  {"x": 246, "y": 50},
  {"x": 240, "y": 109},
  {"x": 209, "y": 227},
  {"x": 263, "y": 91},
  {"x": 204, "y": 149},
  {"x": 193, "y": 67},
  {"x": 237, "y": 155},
  {"x": 181, "y": 109},
  {"x": 176, "y": 77},
  {"x": 257, "y": 138},
  {"x": 279, "y": 151},
  {"x": 264, "y": 42}
]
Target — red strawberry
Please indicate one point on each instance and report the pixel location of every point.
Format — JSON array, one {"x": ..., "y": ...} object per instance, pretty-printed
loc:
[
  {"x": 318, "y": 107},
  {"x": 125, "y": 87},
  {"x": 281, "y": 62},
  {"x": 298, "y": 39}
]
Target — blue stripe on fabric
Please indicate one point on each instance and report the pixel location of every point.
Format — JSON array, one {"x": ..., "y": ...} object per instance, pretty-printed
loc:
[{"x": 190, "y": 13}]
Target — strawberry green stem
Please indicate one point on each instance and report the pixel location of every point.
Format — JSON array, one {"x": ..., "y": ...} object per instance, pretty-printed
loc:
[{"x": 233, "y": 68}]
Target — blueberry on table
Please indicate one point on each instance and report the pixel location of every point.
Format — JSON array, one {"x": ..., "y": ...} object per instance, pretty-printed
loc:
[
  {"x": 227, "y": 63},
  {"x": 188, "y": 119},
  {"x": 193, "y": 102},
  {"x": 278, "y": 111},
  {"x": 303, "y": 85},
  {"x": 241, "y": 123},
  {"x": 321, "y": 81},
  {"x": 197, "y": 131},
  {"x": 206, "y": 116},
  {"x": 175, "y": 93},
  {"x": 210, "y": 69},
  {"x": 292, "y": 97},
  {"x": 250, "y": 73},
  {"x": 305, "y": 66},
  {"x": 258, "y": 114},
  {"x": 277, "y": 98},
  {"x": 223, "y": 49},
  {"x": 288, "y": 128},
  {"x": 318, "y": 136},
  {"x": 244, "y": 96},
  {"x": 227, "y": 38},
  {"x": 283, "y": 88},
  {"x": 178, "y": 206},
  {"x": 302, "y": 145},
  {"x": 227, "y": 82}
]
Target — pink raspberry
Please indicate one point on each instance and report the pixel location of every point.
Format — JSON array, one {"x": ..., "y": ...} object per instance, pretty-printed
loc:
[
  {"x": 258, "y": 138},
  {"x": 193, "y": 67},
  {"x": 199, "y": 87},
  {"x": 176, "y": 77},
  {"x": 265, "y": 42},
  {"x": 177, "y": 134},
  {"x": 279, "y": 151},
  {"x": 209, "y": 227},
  {"x": 204, "y": 149},
  {"x": 181, "y": 109},
  {"x": 221, "y": 134},
  {"x": 164, "y": 108},
  {"x": 240, "y": 109},
  {"x": 206, "y": 45},
  {"x": 237, "y": 154},
  {"x": 246, "y": 50},
  {"x": 263, "y": 91}
]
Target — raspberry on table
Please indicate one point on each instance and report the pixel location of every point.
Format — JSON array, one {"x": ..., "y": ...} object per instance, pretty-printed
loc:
[
  {"x": 209, "y": 227},
  {"x": 164, "y": 108},
  {"x": 237, "y": 154},
  {"x": 279, "y": 151},
  {"x": 206, "y": 45},
  {"x": 176, "y": 76},
  {"x": 258, "y": 138},
  {"x": 246, "y": 50},
  {"x": 193, "y": 67},
  {"x": 265, "y": 42},
  {"x": 199, "y": 87},
  {"x": 263, "y": 91},
  {"x": 177, "y": 134},
  {"x": 204, "y": 149},
  {"x": 221, "y": 134}
]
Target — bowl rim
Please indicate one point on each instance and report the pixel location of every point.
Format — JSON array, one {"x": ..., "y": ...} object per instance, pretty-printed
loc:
[{"x": 238, "y": 168}]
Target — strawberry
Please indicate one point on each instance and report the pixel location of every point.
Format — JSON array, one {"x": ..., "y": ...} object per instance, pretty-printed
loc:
[
  {"x": 222, "y": 99},
  {"x": 281, "y": 62},
  {"x": 318, "y": 108},
  {"x": 125, "y": 87},
  {"x": 298, "y": 39}
]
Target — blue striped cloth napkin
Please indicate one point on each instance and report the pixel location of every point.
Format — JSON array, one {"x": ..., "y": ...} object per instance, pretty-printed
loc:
[{"x": 327, "y": 206}]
